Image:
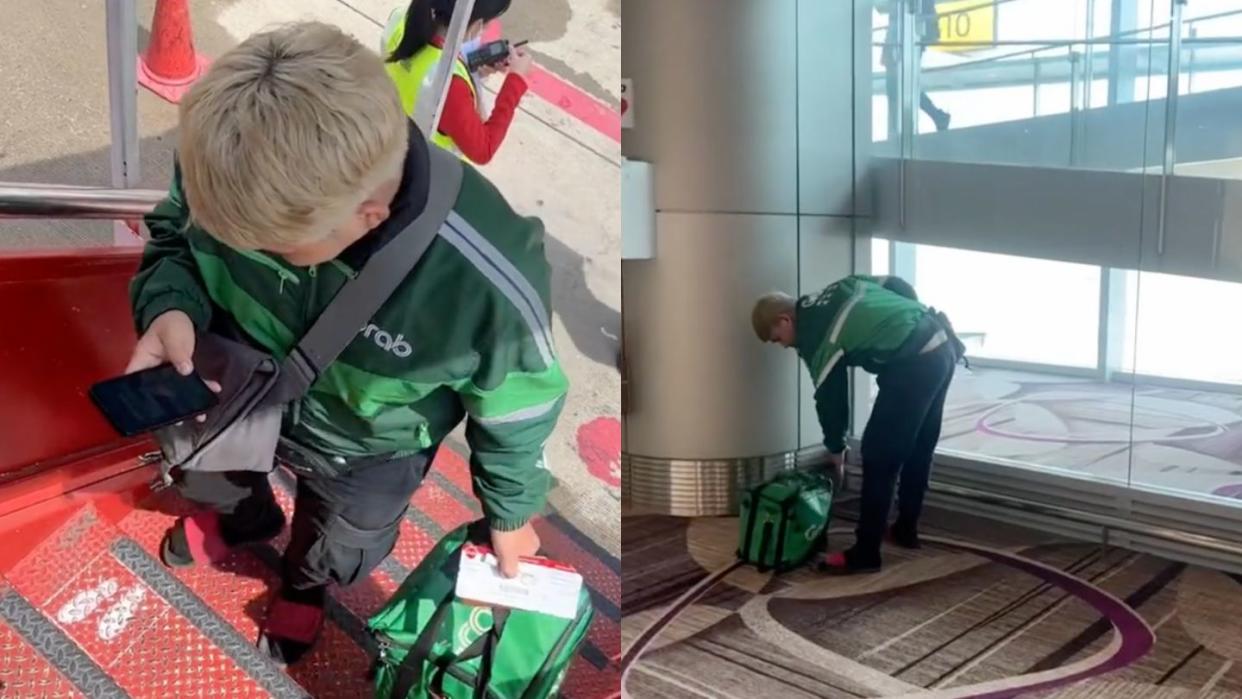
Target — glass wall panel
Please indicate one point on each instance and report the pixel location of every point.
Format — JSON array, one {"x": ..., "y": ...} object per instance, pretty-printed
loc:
[
  {"x": 1187, "y": 360},
  {"x": 1058, "y": 88},
  {"x": 1186, "y": 357},
  {"x": 1013, "y": 308},
  {"x": 1061, "y": 177}
]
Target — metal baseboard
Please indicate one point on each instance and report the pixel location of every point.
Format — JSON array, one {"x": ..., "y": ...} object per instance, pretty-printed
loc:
[
  {"x": 701, "y": 488},
  {"x": 1184, "y": 527},
  {"x": 1196, "y": 530}
]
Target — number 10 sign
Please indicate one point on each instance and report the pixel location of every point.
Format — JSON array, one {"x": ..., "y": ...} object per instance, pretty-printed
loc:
[{"x": 965, "y": 25}]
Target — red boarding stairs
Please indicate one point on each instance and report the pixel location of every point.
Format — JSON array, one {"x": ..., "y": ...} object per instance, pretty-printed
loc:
[{"x": 87, "y": 610}]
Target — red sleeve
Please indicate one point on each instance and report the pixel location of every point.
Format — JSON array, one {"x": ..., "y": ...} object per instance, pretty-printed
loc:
[{"x": 479, "y": 140}]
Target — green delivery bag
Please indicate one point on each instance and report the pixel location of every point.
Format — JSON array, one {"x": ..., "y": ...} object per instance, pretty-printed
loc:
[
  {"x": 783, "y": 521},
  {"x": 434, "y": 645}
]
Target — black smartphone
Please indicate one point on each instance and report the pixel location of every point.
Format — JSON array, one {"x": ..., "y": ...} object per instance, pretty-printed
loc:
[
  {"x": 490, "y": 54},
  {"x": 147, "y": 400}
]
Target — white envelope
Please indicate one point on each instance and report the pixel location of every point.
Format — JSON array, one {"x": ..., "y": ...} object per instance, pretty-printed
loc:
[{"x": 542, "y": 585}]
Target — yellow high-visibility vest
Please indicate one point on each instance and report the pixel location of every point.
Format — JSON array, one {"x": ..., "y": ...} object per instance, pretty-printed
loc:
[{"x": 413, "y": 77}]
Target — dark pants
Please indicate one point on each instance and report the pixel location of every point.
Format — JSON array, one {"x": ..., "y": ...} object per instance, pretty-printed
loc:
[
  {"x": 900, "y": 440},
  {"x": 892, "y": 81},
  {"x": 343, "y": 526}
]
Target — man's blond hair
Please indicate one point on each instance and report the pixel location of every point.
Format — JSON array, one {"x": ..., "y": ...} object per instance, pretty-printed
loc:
[
  {"x": 767, "y": 310},
  {"x": 287, "y": 134}
]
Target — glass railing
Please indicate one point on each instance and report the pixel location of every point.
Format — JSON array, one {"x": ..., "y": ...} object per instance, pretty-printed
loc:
[
  {"x": 1046, "y": 79},
  {"x": 1127, "y": 371}
]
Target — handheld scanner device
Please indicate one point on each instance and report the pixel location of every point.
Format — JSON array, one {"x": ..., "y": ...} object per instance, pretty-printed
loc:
[{"x": 492, "y": 53}]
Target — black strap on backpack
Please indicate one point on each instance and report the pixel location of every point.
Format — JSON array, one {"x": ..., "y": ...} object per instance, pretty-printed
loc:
[
  {"x": 361, "y": 297},
  {"x": 750, "y": 524},
  {"x": 762, "y": 563},
  {"x": 420, "y": 653},
  {"x": 412, "y": 665},
  {"x": 780, "y": 533},
  {"x": 484, "y": 648}
]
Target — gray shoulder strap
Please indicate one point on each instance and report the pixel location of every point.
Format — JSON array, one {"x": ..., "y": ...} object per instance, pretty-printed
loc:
[{"x": 361, "y": 297}]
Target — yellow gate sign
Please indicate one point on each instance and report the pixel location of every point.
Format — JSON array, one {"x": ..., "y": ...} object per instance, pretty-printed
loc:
[{"x": 965, "y": 25}]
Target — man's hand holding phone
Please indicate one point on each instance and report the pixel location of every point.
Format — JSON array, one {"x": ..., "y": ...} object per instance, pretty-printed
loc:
[{"x": 168, "y": 340}]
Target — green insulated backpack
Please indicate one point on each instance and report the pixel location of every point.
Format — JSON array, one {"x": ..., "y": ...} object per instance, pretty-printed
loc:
[
  {"x": 783, "y": 521},
  {"x": 434, "y": 645}
]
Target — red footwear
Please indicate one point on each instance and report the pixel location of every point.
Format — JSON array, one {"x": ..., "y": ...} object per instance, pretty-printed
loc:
[
  {"x": 198, "y": 538},
  {"x": 290, "y": 629},
  {"x": 193, "y": 538},
  {"x": 838, "y": 563}
]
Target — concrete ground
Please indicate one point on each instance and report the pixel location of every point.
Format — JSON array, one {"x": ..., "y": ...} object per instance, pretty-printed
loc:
[{"x": 54, "y": 128}]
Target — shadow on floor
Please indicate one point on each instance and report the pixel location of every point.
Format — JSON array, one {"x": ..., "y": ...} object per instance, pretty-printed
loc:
[{"x": 593, "y": 325}]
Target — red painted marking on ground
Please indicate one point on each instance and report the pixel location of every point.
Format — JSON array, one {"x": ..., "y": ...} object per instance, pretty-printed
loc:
[
  {"x": 599, "y": 445},
  {"x": 491, "y": 32},
  {"x": 566, "y": 96},
  {"x": 578, "y": 104}
]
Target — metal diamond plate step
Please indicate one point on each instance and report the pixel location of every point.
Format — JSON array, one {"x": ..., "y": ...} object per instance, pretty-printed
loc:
[
  {"x": 113, "y": 622},
  {"x": 91, "y": 612}
]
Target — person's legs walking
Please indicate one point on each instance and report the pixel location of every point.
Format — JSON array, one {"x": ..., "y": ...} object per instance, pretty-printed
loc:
[
  {"x": 342, "y": 529},
  {"x": 938, "y": 116}
]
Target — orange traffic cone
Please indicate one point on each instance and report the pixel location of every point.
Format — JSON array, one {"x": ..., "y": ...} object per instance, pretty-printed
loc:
[{"x": 170, "y": 65}]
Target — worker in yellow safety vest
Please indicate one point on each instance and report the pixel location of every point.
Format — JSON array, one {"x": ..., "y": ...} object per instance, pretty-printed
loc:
[{"x": 413, "y": 42}]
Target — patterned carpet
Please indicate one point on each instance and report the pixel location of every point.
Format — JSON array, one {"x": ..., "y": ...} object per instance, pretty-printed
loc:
[
  {"x": 983, "y": 610},
  {"x": 1172, "y": 438}
]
